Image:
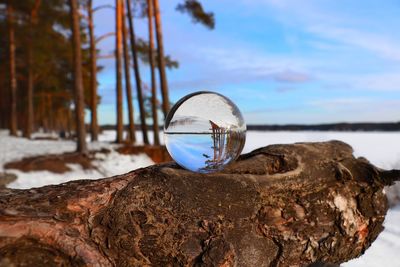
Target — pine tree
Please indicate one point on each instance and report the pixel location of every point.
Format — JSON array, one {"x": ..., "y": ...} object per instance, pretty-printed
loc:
[
  {"x": 152, "y": 73},
  {"x": 78, "y": 80},
  {"x": 12, "y": 71},
  {"x": 137, "y": 73},
  {"x": 94, "y": 128},
  {"x": 161, "y": 62},
  {"x": 118, "y": 68},
  {"x": 131, "y": 130},
  {"x": 33, "y": 17}
]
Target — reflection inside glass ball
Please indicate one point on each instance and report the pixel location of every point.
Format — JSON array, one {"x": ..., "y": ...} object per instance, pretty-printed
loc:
[{"x": 204, "y": 132}]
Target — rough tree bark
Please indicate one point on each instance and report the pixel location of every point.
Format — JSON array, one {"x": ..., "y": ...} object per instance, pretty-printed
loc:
[
  {"x": 283, "y": 205},
  {"x": 137, "y": 74},
  {"x": 152, "y": 73}
]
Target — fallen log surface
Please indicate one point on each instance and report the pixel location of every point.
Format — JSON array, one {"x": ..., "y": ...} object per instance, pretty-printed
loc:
[{"x": 282, "y": 205}]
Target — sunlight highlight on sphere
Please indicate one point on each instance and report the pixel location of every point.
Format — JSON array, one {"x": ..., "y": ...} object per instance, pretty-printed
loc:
[{"x": 204, "y": 132}]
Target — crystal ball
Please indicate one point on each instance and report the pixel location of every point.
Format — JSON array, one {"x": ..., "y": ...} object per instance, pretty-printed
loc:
[{"x": 204, "y": 132}]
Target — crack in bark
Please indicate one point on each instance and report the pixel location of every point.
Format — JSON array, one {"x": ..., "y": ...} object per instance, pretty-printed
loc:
[{"x": 275, "y": 261}]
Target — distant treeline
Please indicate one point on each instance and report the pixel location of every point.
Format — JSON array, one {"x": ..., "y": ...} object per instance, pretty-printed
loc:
[
  {"x": 343, "y": 127},
  {"x": 367, "y": 126}
]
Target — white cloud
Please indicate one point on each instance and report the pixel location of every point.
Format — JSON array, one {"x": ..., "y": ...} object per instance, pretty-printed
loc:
[
  {"x": 289, "y": 76},
  {"x": 247, "y": 60},
  {"x": 339, "y": 24},
  {"x": 330, "y": 111},
  {"x": 341, "y": 103},
  {"x": 388, "y": 81},
  {"x": 382, "y": 46}
]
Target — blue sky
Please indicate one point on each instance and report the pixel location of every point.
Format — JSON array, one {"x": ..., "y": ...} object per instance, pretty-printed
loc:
[{"x": 280, "y": 61}]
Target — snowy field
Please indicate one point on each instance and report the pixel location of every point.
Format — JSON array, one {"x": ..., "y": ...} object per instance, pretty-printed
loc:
[
  {"x": 12, "y": 148},
  {"x": 382, "y": 149}
]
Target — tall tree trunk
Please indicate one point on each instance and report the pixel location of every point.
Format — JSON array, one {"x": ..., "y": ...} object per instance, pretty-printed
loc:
[
  {"x": 4, "y": 92},
  {"x": 30, "y": 110},
  {"x": 131, "y": 132},
  {"x": 137, "y": 74},
  {"x": 12, "y": 74},
  {"x": 42, "y": 111},
  {"x": 78, "y": 81},
  {"x": 94, "y": 128},
  {"x": 118, "y": 68},
  {"x": 153, "y": 76},
  {"x": 70, "y": 122},
  {"x": 161, "y": 62},
  {"x": 50, "y": 111}
]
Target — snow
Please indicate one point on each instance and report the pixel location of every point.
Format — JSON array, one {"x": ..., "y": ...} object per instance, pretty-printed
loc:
[
  {"x": 113, "y": 163},
  {"x": 381, "y": 148},
  {"x": 109, "y": 136},
  {"x": 105, "y": 165}
]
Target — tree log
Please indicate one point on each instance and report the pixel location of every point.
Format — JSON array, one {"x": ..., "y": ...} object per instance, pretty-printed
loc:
[{"x": 282, "y": 205}]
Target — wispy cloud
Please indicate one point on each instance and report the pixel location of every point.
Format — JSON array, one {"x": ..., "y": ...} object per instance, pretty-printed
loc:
[
  {"x": 341, "y": 103},
  {"x": 284, "y": 89},
  {"x": 289, "y": 76},
  {"x": 388, "y": 81},
  {"x": 340, "y": 27},
  {"x": 381, "y": 45},
  {"x": 240, "y": 64}
]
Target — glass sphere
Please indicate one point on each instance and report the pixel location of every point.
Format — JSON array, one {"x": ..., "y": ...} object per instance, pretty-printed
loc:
[{"x": 204, "y": 131}]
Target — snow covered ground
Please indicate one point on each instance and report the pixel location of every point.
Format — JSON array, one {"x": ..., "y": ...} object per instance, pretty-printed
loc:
[
  {"x": 13, "y": 148},
  {"x": 382, "y": 149}
]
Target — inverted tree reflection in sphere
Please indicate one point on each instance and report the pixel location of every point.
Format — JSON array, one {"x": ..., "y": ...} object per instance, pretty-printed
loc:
[{"x": 204, "y": 132}]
